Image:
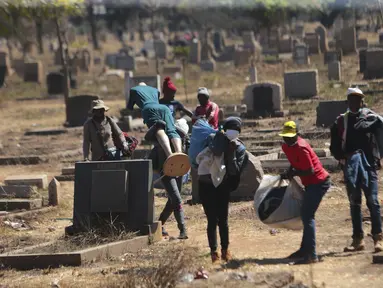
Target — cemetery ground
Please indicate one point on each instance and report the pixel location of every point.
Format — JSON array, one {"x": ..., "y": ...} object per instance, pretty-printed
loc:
[{"x": 257, "y": 249}]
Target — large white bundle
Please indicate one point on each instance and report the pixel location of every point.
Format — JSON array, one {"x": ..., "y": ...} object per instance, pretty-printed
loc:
[{"x": 288, "y": 213}]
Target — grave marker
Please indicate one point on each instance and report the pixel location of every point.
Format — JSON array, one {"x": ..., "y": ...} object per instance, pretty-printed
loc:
[
  {"x": 263, "y": 99},
  {"x": 40, "y": 181},
  {"x": 332, "y": 56},
  {"x": 301, "y": 55},
  {"x": 78, "y": 109},
  {"x": 55, "y": 83},
  {"x": 328, "y": 111},
  {"x": 322, "y": 32},
  {"x": 348, "y": 40},
  {"x": 334, "y": 71},
  {"x": 374, "y": 64},
  {"x": 301, "y": 84},
  {"x": 312, "y": 40},
  {"x": 161, "y": 49},
  {"x": 208, "y": 65},
  {"x": 362, "y": 44},
  {"x": 118, "y": 190},
  {"x": 54, "y": 191},
  {"x": 195, "y": 52},
  {"x": 242, "y": 57},
  {"x": 249, "y": 42},
  {"x": 33, "y": 72},
  {"x": 125, "y": 62}
]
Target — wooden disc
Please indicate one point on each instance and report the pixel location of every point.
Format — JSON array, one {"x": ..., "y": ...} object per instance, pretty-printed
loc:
[{"x": 176, "y": 165}]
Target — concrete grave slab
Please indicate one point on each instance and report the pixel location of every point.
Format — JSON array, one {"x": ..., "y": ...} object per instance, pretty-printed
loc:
[
  {"x": 374, "y": 64},
  {"x": 263, "y": 99},
  {"x": 34, "y": 72},
  {"x": 348, "y": 40},
  {"x": 46, "y": 132},
  {"x": 138, "y": 195},
  {"x": 334, "y": 71},
  {"x": 21, "y": 160},
  {"x": 40, "y": 181},
  {"x": 328, "y": 111},
  {"x": 21, "y": 191},
  {"x": 301, "y": 54},
  {"x": 161, "y": 49},
  {"x": 78, "y": 109},
  {"x": 362, "y": 43},
  {"x": 195, "y": 52},
  {"x": 301, "y": 84},
  {"x": 68, "y": 170},
  {"x": 125, "y": 62},
  {"x": 20, "y": 204},
  {"x": 81, "y": 257},
  {"x": 333, "y": 56},
  {"x": 312, "y": 40}
]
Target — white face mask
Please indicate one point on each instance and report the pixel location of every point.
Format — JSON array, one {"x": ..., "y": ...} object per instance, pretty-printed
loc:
[{"x": 232, "y": 134}]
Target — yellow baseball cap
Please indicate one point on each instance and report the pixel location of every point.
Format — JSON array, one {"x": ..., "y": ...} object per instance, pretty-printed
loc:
[{"x": 289, "y": 129}]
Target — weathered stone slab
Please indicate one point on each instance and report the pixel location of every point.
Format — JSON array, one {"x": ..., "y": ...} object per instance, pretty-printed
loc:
[
  {"x": 22, "y": 191},
  {"x": 301, "y": 84},
  {"x": 40, "y": 181},
  {"x": 68, "y": 170},
  {"x": 328, "y": 111},
  {"x": 21, "y": 160},
  {"x": 42, "y": 261},
  {"x": 46, "y": 132},
  {"x": 20, "y": 204},
  {"x": 64, "y": 178}
]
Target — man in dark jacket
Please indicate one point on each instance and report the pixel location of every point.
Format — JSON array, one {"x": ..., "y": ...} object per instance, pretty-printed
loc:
[
  {"x": 354, "y": 144},
  {"x": 215, "y": 200}
]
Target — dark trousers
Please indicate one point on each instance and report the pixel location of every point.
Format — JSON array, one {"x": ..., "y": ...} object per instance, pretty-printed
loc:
[
  {"x": 312, "y": 197},
  {"x": 215, "y": 202},
  {"x": 354, "y": 192},
  {"x": 173, "y": 188}
]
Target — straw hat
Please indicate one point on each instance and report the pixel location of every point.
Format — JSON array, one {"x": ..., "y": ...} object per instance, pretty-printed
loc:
[{"x": 98, "y": 104}]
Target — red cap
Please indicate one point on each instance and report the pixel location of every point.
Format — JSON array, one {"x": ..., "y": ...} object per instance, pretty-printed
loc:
[{"x": 168, "y": 86}]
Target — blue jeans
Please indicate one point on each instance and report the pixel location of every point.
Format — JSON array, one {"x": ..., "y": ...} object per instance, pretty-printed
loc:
[
  {"x": 311, "y": 200},
  {"x": 354, "y": 192}
]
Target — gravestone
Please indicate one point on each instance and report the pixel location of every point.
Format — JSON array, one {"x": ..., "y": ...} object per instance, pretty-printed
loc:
[
  {"x": 121, "y": 191},
  {"x": 111, "y": 60},
  {"x": 263, "y": 99},
  {"x": 3, "y": 74},
  {"x": 334, "y": 71},
  {"x": 54, "y": 191},
  {"x": 5, "y": 62},
  {"x": 299, "y": 31},
  {"x": 362, "y": 60},
  {"x": 301, "y": 84},
  {"x": 253, "y": 75},
  {"x": 218, "y": 41},
  {"x": 19, "y": 191},
  {"x": 333, "y": 56},
  {"x": 322, "y": 32},
  {"x": 86, "y": 60},
  {"x": 362, "y": 44},
  {"x": 251, "y": 178},
  {"x": 125, "y": 62},
  {"x": 195, "y": 52},
  {"x": 78, "y": 109},
  {"x": 374, "y": 64},
  {"x": 33, "y": 72},
  {"x": 285, "y": 45},
  {"x": 208, "y": 65},
  {"x": 249, "y": 42},
  {"x": 328, "y": 111},
  {"x": 206, "y": 52},
  {"x": 132, "y": 81},
  {"x": 40, "y": 181},
  {"x": 57, "y": 58},
  {"x": 161, "y": 49},
  {"x": 312, "y": 40},
  {"x": 55, "y": 83},
  {"x": 381, "y": 38},
  {"x": 301, "y": 55},
  {"x": 242, "y": 57},
  {"x": 348, "y": 40}
]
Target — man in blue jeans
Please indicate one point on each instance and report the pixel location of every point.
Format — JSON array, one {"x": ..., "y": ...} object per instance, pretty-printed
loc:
[
  {"x": 305, "y": 164},
  {"x": 356, "y": 145}
]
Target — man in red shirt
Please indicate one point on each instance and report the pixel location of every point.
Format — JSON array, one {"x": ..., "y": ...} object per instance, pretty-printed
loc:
[
  {"x": 207, "y": 108},
  {"x": 305, "y": 164}
]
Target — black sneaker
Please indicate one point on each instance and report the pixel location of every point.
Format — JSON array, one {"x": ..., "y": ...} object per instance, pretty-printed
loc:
[
  {"x": 183, "y": 235},
  {"x": 297, "y": 255},
  {"x": 164, "y": 232}
]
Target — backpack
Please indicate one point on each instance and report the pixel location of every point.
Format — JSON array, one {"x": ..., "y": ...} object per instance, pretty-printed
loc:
[{"x": 132, "y": 141}]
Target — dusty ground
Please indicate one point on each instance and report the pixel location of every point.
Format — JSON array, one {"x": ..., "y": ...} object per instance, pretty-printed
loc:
[{"x": 255, "y": 249}]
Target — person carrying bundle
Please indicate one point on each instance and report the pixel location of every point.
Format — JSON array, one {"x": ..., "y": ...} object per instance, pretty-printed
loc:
[
  {"x": 160, "y": 122},
  {"x": 305, "y": 164}
]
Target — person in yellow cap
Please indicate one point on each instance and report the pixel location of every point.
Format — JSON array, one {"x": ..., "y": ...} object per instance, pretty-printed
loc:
[
  {"x": 305, "y": 164},
  {"x": 357, "y": 145}
]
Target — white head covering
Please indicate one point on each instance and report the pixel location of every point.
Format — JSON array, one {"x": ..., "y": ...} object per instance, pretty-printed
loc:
[
  {"x": 355, "y": 91},
  {"x": 142, "y": 84}
]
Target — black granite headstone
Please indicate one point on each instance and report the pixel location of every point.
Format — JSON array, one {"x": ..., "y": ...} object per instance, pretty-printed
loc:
[
  {"x": 118, "y": 191},
  {"x": 263, "y": 101},
  {"x": 55, "y": 83},
  {"x": 78, "y": 109}
]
